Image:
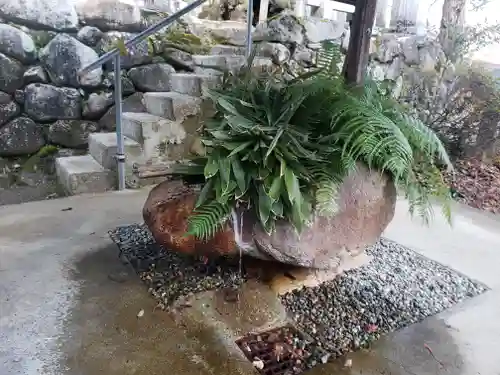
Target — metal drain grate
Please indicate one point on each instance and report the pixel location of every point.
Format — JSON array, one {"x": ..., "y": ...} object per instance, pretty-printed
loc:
[{"x": 283, "y": 350}]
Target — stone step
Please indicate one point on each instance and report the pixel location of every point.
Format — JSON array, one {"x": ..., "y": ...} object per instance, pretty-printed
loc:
[
  {"x": 228, "y": 32},
  {"x": 193, "y": 84},
  {"x": 207, "y": 71},
  {"x": 83, "y": 174},
  {"x": 152, "y": 132},
  {"x": 150, "y": 174},
  {"x": 222, "y": 49},
  {"x": 228, "y": 62},
  {"x": 274, "y": 51},
  {"x": 103, "y": 147},
  {"x": 221, "y": 62},
  {"x": 172, "y": 105}
]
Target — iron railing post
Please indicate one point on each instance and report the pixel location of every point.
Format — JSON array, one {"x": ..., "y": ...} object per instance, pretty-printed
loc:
[
  {"x": 141, "y": 36},
  {"x": 114, "y": 55},
  {"x": 120, "y": 148},
  {"x": 248, "y": 49}
]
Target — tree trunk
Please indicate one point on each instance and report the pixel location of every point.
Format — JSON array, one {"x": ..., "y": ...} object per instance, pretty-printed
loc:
[{"x": 452, "y": 28}]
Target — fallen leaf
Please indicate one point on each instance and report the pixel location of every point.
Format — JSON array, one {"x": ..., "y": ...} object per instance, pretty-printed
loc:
[
  {"x": 432, "y": 354},
  {"x": 118, "y": 277},
  {"x": 140, "y": 314},
  {"x": 231, "y": 295},
  {"x": 258, "y": 363},
  {"x": 273, "y": 337},
  {"x": 278, "y": 351},
  {"x": 246, "y": 348},
  {"x": 371, "y": 328},
  {"x": 476, "y": 184}
]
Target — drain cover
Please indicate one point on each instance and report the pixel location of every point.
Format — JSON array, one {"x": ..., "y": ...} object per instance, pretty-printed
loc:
[{"x": 283, "y": 350}]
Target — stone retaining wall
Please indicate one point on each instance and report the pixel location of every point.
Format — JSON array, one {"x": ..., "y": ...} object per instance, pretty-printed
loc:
[
  {"x": 406, "y": 60},
  {"x": 42, "y": 48},
  {"x": 41, "y": 98}
]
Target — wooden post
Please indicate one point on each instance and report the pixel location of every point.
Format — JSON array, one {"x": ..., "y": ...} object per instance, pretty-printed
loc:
[{"x": 356, "y": 60}]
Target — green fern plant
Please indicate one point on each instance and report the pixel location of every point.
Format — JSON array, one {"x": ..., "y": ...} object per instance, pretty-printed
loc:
[
  {"x": 255, "y": 157},
  {"x": 328, "y": 59},
  {"x": 376, "y": 130},
  {"x": 282, "y": 148}
]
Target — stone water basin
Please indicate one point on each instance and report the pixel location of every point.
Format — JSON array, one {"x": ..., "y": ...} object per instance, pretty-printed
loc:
[{"x": 366, "y": 204}]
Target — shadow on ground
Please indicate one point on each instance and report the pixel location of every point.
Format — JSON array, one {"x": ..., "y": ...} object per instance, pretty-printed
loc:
[{"x": 104, "y": 333}]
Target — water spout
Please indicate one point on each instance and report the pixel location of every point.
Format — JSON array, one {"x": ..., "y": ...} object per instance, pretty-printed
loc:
[
  {"x": 248, "y": 248},
  {"x": 237, "y": 228}
]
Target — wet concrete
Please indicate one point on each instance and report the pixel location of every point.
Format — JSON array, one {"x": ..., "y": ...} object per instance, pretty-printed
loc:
[
  {"x": 471, "y": 245},
  {"x": 462, "y": 340},
  {"x": 68, "y": 306},
  {"x": 216, "y": 322},
  {"x": 104, "y": 333}
]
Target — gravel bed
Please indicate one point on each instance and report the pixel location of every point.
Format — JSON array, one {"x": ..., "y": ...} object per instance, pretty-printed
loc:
[
  {"x": 170, "y": 275},
  {"x": 397, "y": 288}
]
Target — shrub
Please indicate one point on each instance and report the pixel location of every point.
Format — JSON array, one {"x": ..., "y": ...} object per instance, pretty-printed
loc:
[
  {"x": 282, "y": 148},
  {"x": 466, "y": 115}
]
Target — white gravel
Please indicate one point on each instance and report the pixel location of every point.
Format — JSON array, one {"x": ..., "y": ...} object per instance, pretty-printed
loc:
[
  {"x": 397, "y": 288},
  {"x": 170, "y": 275}
]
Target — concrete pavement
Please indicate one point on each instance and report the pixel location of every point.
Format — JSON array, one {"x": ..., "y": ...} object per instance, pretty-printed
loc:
[
  {"x": 464, "y": 339},
  {"x": 60, "y": 312},
  {"x": 67, "y": 306}
]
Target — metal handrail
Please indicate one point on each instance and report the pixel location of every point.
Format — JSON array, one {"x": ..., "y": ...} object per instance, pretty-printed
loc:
[
  {"x": 141, "y": 36},
  {"x": 116, "y": 55}
]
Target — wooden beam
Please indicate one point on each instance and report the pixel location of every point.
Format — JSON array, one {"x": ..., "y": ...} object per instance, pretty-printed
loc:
[{"x": 356, "y": 60}]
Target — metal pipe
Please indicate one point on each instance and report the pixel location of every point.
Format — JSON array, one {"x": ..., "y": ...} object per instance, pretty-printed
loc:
[
  {"x": 142, "y": 35},
  {"x": 248, "y": 49},
  {"x": 120, "y": 148}
]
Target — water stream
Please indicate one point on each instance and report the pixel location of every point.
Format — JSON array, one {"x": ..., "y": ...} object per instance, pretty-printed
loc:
[{"x": 237, "y": 221}]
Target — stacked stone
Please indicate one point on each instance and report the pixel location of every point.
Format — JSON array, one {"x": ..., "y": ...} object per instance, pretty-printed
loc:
[
  {"x": 42, "y": 99},
  {"x": 43, "y": 45},
  {"x": 408, "y": 60}
]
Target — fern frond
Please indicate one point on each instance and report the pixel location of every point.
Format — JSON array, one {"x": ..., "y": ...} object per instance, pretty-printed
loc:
[
  {"x": 328, "y": 58},
  {"x": 327, "y": 194},
  {"x": 424, "y": 187},
  {"x": 327, "y": 180},
  {"x": 369, "y": 135},
  {"x": 207, "y": 219},
  {"x": 423, "y": 138}
]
